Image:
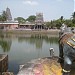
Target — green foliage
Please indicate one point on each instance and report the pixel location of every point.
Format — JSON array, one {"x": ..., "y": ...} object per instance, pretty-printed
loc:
[
  {"x": 68, "y": 22},
  {"x": 52, "y": 24},
  {"x": 3, "y": 16},
  {"x": 20, "y": 19},
  {"x": 73, "y": 21},
  {"x": 48, "y": 24},
  {"x": 31, "y": 18},
  {"x": 57, "y": 23},
  {"x": 0, "y": 17},
  {"x": 73, "y": 15}
]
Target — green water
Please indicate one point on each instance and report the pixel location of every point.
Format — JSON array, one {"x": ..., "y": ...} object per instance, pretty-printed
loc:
[{"x": 22, "y": 48}]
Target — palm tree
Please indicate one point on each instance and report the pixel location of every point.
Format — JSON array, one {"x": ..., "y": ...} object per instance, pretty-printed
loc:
[
  {"x": 61, "y": 18},
  {"x": 73, "y": 18},
  {"x": 73, "y": 15}
]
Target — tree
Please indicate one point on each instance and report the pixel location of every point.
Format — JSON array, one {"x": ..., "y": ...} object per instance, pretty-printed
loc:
[
  {"x": 58, "y": 23},
  {"x": 0, "y": 17},
  {"x": 48, "y": 24},
  {"x": 20, "y": 19},
  {"x": 73, "y": 15},
  {"x": 61, "y": 18},
  {"x": 73, "y": 21},
  {"x": 69, "y": 23},
  {"x": 3, "y": 16},
  {"x": 31, "y": 18}
]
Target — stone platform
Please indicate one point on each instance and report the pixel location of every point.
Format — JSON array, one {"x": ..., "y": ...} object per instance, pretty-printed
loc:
[
  {"x": 44, "y": 66},
  {"x": 3, "y": 63}
]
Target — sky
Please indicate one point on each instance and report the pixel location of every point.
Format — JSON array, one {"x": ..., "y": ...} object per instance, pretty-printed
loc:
[{"x": 51, "y": 9}]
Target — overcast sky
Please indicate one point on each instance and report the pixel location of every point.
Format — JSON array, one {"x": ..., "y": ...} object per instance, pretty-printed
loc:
[{"x": 51, "y": 9}]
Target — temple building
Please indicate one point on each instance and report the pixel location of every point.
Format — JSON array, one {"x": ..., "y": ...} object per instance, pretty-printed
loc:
[
  {"x": 8, "y": 14},
  {"x": 9, "y": 23},
  {"x": 39, "y": 22},
  {"x": 39, "y": 19}
]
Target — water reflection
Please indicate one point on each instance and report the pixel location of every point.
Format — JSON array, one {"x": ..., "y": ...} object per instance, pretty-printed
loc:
[
  {"x": 38, "y": 39},
  {"x": 5, "y": 42},
  {"x": 22, "y": 48}
]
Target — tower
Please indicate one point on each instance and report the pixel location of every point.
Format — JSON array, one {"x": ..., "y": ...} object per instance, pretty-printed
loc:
[
  {"x": 39, "y": 19},
  {"x": 8, "y": 14},
  {"x": 39, "y": 22}
]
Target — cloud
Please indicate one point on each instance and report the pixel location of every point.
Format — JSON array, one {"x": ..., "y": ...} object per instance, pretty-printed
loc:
[{"x": 30, "y": 2}]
